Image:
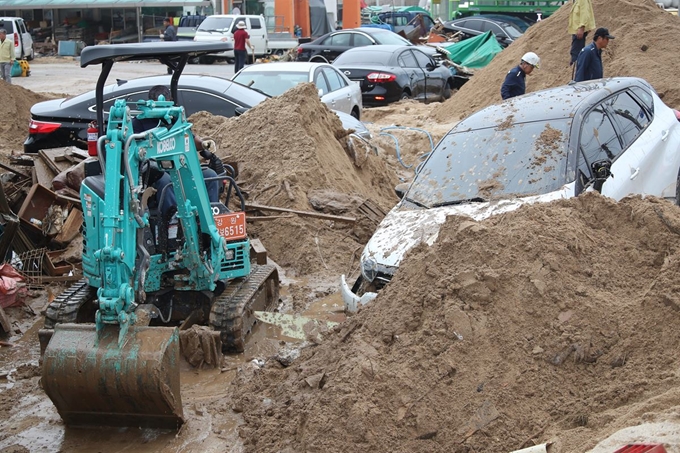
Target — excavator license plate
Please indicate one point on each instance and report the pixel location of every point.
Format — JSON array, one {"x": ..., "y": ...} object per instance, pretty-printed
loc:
[{"x": 231, "y": 225}]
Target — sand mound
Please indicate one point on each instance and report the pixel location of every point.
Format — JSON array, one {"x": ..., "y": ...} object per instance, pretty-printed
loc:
[
  {"x": 636, "y": 24},
  {"x": 554, "y": 322},
  {"x": 292, "y": 149},
  {"x": 17, "y": 102}
]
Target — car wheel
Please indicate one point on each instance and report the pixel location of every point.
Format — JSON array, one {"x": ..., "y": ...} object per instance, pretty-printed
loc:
[
  {"x": 446, "y": 92},
  {"x": 355, "y": 113},
  {"x": 32, "y": 55},
  {"x": 318, "y": 60},
  {"x": 206, "y": 60},
  {"x": 405, "y": 95},
  {"x": 279, "y": 52}
]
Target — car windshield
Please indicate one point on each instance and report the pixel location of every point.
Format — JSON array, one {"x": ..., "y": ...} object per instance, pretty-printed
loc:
[
  {"x": 365, "y": 56},
  {"x": 506, "y": 161},
  {"x": 391, "y": 38},
  {"x": 270, "y": 82},
  {"x": 215, "y": 24}
]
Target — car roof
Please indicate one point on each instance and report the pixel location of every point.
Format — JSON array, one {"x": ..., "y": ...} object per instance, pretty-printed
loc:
[
  {"x": 553, "y": 103},
  {"x": 296, "y": 66},
  {"x": 387, "y": 48}
]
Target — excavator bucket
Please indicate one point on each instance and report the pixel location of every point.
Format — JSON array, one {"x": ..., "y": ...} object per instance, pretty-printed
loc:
[{"x": 95, "y": 382}]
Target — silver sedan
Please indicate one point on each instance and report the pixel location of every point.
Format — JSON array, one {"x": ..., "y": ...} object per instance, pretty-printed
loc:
[{"x": 336, "y": 90}]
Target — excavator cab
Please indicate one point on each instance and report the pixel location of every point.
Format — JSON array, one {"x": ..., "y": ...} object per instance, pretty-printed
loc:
[{"x": 111, "y": 342}]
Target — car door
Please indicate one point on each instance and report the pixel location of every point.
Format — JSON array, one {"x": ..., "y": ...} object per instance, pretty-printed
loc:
[
  {"x": 339, "y": 90},
  {"x": 324, "y": 88},
  {"x": 258, "y": 35},
  {"x": 334, "y": 45},
  {"x": 434, "y": 80},
  {"x": 650, "y": 140},
  {"x": 415, "y": 74}
]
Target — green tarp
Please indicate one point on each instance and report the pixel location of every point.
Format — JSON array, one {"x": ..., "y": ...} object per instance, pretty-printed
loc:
[{"x": 475, "y": 52}]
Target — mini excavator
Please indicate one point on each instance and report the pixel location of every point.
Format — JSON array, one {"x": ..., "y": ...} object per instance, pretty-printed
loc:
[{"x": 110, "y": 342}]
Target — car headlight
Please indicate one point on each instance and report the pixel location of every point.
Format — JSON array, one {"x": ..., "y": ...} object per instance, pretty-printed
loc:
[{"x": 369, "y": 269}]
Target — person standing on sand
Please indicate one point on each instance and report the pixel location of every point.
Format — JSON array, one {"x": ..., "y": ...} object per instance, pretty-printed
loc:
[
  {"x": 589, "y": 62},
  {"x": 6, "y": 56},
  {"x": 581, "y": 22},
  {"x": 514, "y": 83}
]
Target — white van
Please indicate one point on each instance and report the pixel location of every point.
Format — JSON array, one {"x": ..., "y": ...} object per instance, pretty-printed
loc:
[
  {"x": 219, "y": 26},
  {"x": 17, "y": 31}
]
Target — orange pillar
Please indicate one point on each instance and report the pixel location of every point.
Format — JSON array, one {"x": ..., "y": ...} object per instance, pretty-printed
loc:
[
  {"x": 351, "y": 14},
  {"x": 285, "y": 9},
  {"x": 302, "y": 17}
]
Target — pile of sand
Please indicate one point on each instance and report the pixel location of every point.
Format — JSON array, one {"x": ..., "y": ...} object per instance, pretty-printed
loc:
[
  {"x": 554, "y": 322},
  {"x": 16, "y": 103},
  {"x": 644, "y": 47},
  {"x": 293, "y": 151}
]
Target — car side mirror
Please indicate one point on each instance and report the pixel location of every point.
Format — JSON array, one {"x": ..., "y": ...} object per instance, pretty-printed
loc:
[
  {"x": 238, "y": 111},
  {"x": 400, "y": 189},
  {"x": 320, "y": 92},
  {"x": 431, "y": 66}
]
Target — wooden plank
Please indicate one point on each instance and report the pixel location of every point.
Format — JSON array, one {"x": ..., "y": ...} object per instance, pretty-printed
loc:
[
  {"x": 48, "y": 160},
  {"x": 302, "y": 213},
  {"x": 267, "y": 218},
  {"x": 71, "y": 227},
  {"x": 15, "y": 171},
  {"x": 44, "y": 175}
]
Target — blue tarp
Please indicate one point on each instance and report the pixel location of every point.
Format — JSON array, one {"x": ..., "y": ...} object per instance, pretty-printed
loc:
[{"x": 475, "y": 52}]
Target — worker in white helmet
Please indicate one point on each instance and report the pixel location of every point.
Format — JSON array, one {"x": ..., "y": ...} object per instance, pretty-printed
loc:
[{"x": 514, "y": 84}]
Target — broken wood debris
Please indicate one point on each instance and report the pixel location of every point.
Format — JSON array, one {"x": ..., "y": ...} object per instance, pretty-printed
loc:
[{"x": 337, "y": 218}]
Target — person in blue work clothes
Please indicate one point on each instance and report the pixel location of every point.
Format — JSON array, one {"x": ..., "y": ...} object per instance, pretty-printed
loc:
[
  {"x": 589, "y": 61},
  {"x": 514, "y": 83}
]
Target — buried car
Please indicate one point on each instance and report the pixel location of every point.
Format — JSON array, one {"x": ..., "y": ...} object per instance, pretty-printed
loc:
[
  {"x": 614, "y": 136},
  {"x": 63, "y": 122}
]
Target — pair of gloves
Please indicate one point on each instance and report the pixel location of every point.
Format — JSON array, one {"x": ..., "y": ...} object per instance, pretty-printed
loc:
[{"x": 214, "y": 162}]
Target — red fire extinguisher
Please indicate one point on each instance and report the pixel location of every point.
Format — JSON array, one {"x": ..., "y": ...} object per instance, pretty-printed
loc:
[{"x": 92, "y": 137}]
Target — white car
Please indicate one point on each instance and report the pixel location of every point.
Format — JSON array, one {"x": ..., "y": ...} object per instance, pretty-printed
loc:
[
  {"x": 17, "y": 32},
  {"x": 335, "y": 89},
  {"x": 614, "y": 136}
]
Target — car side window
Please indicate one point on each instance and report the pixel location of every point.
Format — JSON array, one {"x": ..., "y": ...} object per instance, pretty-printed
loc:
[
  {"x": 599, "y": 139},
  {"x": 195, "y": 101},
  {"x": 321, "y": 82},
  {"x": 361, "y": 40},
  {"x": 630, "y": 117},
  {"x": 341, "y": 39},
  {"x": 423, "y": 60},
  {"x": 645, "y": 97},
  {"x": 429, "y": 23},
  {"x": 474, "y": 25},
  {"x": 334, "y": 79},
  {"x": 255, "y": 23},
  {"x": 407, "y": 60},
  {"x": 462, "y": 23}
]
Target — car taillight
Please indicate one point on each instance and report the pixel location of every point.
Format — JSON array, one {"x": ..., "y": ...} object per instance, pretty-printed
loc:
[
  {"x": 300, "y": 50},
  {"x": 16, "y": 39},
  {"x": 381, "y": 77},
  {"x": 42, "y": 127}
]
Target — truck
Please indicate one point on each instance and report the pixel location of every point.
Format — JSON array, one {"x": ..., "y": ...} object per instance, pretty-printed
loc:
[
  {"x": 220, "y": 27},
  {"x": 530, "y": 10}
]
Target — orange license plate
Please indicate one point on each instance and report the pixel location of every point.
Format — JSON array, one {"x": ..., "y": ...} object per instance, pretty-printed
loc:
[{"x": 231, "y": 226}]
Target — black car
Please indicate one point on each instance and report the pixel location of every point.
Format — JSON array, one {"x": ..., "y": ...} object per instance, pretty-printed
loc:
[
  {"x": 63, "y": 122},
  {"x": 506, "y": 32},
  {"x": 390, "y": 73},
  {"x": 327, "y": 48},
  {"x": 522, "y": 24}
]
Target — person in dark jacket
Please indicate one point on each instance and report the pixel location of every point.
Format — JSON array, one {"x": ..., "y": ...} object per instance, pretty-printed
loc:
[
  {"x": 168, "y": 34},
  {"x": 514, "y": 84},
  {"x": 589, "y": 61}
]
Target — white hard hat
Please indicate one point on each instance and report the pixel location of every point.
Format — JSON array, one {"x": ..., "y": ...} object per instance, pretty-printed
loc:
[{"x": 532, "y": 59}]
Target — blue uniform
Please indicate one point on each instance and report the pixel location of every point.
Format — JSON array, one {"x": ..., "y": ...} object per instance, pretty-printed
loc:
[
  {"x": 514, "y": 84},
  {"x": 589, "y": 64}
]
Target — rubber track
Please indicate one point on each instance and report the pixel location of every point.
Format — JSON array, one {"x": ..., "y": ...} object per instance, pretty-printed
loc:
[
  {"x": 231, "y": 313},
  {"x": 64, "y": 309}
]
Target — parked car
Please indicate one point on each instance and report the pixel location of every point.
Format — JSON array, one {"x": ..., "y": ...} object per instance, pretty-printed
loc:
[
  {"x": 17, "y": 32},
  {"x": 327, "y": 48},
  {"x": 336, "y": 90},
  {"x": 520, "y": 23},
  {"x": 506, "y": 32},
  {"x": 222, "y": 26},
  {"x": 404, "y": 20},
  {"x": 543, "y": 146},
  {"x": 389, "y": 73},
  {"x": 63, "y": 122}
]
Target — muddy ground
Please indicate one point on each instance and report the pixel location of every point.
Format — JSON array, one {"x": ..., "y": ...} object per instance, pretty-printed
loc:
[{"x": 554, "y": 323}]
